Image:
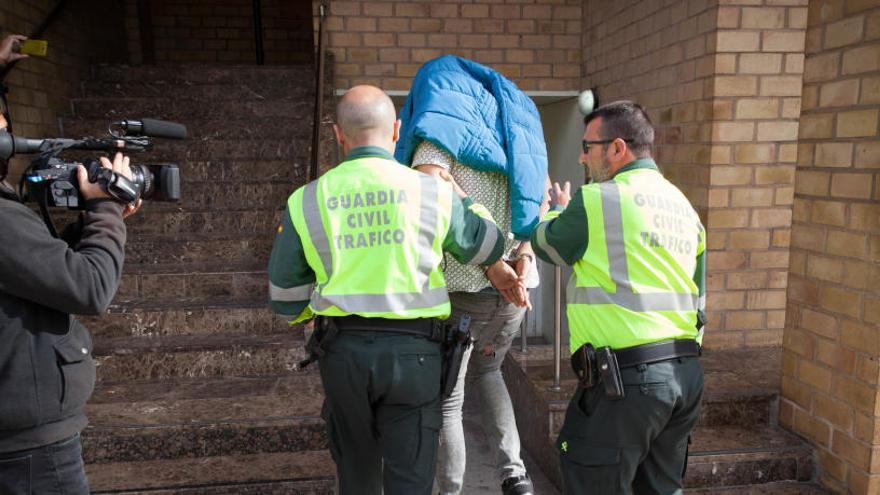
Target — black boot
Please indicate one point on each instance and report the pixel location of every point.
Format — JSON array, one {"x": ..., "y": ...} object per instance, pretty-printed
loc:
[{"x": 517, "y": 485}]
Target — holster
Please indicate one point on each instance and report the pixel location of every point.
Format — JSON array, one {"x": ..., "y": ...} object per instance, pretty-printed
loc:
[
  {"x": 595, "y": 366},
  {"x": 324, "y": 333},
  {"x": 456, "y": 341}
]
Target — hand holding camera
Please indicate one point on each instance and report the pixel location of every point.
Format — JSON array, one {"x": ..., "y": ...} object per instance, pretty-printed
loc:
[{"x": 101, "y": 180}]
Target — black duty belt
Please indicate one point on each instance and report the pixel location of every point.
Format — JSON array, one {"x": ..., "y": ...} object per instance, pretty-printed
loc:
[
  {"x": 425, "y": 327},
  {"x": 656, "y": 351}
]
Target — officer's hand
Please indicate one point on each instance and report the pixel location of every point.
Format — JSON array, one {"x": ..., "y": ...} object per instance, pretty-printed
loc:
[
  {"x": 560, "y": 195},
  {"x": 442, "y": 174},
  {"x": 6, "y": 46}
]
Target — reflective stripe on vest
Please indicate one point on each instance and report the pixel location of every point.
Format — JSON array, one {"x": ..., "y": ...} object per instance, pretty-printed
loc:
[
  {"x": 290, "y": 294},
  {"x": 614, "y": 247},
  {"x": 487, "y": 245},
  {"x": 388, "y": 302},
  {"x": 551, "y": 251}
]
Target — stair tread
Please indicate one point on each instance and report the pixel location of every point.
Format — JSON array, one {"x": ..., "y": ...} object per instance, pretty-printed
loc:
[
  {"x": 193, "y": 343},
  {"x": 197, "y": 237},
  {"x": 194, "y": 73},
  {"x": 185, "y": 305},
  {"x": 186, "y": 343},
  {"x": 777, "y": 488},
  {"x": 194, "y": 472},
  {"x": 206, "y": 401},
  {"x": 711, "y": 441},
  {"x": 724, "y": 375},
  {"x": 196, "y": 268}
]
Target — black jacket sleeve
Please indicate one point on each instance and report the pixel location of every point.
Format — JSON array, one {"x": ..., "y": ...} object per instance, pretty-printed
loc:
[{"x": 78, "y": 278}]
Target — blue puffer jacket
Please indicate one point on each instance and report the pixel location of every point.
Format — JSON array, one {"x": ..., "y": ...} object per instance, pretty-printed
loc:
[{"x": 485, "y": 122}]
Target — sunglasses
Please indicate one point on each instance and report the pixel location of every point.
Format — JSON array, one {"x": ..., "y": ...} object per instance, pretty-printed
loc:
[{"x": 585, "y": 144}]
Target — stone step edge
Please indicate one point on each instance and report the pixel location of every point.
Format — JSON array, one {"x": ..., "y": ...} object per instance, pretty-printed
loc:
[
  {"x": 195, "y": 468},
  {"x": 263, "y": 422},
  {"x": 207, "y": 304},
  {"x": 561, "y": 404},
  {"x": 782, "y": 449},
  {"x": 126, "y": 346}
]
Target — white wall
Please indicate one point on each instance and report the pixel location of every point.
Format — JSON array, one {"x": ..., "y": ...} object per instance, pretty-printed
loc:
[{"x": 563, "y": 131}]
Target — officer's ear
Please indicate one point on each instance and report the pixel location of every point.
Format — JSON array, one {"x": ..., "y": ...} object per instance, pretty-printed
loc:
[
  {"x": 340, "y": 138},
  {"x": 396, "y": 135}
]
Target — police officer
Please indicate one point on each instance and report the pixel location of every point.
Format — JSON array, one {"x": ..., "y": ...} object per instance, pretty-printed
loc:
[
  {"x": 636, "y": 297},
  {"x": 361, "y": 247}
]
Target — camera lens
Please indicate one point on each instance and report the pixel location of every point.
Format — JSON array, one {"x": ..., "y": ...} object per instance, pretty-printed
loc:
[{"x": 143, "y": 177}]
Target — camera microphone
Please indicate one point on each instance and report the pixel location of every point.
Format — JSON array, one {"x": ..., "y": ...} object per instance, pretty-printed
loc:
[{"x": 153, "y": 128}]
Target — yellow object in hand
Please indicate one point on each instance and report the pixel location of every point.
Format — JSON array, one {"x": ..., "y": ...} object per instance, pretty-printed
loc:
[{"x": 36, "y": 48}]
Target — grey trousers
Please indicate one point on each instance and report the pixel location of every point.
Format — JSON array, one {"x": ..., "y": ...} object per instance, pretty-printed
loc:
[{"x": 494, "y": 323}]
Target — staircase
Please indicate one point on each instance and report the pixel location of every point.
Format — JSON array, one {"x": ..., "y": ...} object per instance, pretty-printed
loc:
[
  {"x": 737, "y": 446},
  {"x": 195, "y": 391}
]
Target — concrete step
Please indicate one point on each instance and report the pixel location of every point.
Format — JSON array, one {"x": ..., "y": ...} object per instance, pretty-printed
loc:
[
  {"x": 735, "y": 442},
  {"x": 722, "y": 456},
  {"x": 779, "y": 488},
  {"x": 228, "y": 194},
  {"x": 199, "y": 125},
  {"x": 191, "y": 74},
  {"x": 262, "y": 431},
  {"x": 258, "y": 221},
  {"x": 291, "y": 473},
  {"x": 144, "y": 319},
  {"x": 221, "y": 168},
  {"x": 237, "y": 283},
  {"x": 205, "y": 417},
  {"x": 172, "y": 107},
  {"x": 232, "y": 149},
  {"x": 189, "y": 356},
  {"x": 733, "y": 394},
  {"x": 299, "y": 86},
  {"x": 145, "y": 251}
]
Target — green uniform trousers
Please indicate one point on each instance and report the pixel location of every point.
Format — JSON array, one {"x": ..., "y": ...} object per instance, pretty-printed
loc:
[
  {"x": 637, "y": 444},
  {"x": 382, "y": 409}
]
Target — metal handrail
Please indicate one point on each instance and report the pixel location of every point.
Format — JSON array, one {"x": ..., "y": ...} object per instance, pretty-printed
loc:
[
  {"x": 319, "y": 95},
  {"x": 557, "y": 337}
]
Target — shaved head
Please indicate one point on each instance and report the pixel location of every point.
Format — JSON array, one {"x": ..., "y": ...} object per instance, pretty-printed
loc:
[{"x": 365, "y": 116}]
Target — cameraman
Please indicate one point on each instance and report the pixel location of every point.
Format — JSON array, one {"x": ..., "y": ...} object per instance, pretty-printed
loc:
[{"x": 46, "y": 370}]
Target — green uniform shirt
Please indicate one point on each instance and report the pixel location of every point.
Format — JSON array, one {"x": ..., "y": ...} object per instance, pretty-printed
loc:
[{"x": 288, "y": 266}]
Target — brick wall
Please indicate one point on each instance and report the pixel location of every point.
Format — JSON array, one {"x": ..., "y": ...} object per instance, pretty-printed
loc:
[
  {"x": 40, "y": 88},
  {"x": 222, "y": 31},
  {"x": 832, "y": 339},
  {"x": 756, "y": 94},
  {"x": 659, "y": 56},
  {"x": 535, "y": 43},
  {"x": 722, "y": 84}
]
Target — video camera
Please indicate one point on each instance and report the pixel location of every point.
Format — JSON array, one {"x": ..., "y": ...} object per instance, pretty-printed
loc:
[{"x": 53, "y": 181}]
